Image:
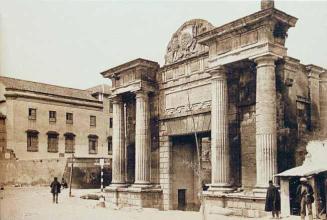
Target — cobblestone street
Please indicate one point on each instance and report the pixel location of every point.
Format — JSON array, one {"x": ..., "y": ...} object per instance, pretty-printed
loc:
[{"x": 34, "y": 203}]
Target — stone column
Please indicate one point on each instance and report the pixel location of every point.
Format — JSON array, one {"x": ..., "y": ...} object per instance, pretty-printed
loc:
[
  {"x": 220, "y": 155},
  {"x": 266, "y": 127},
  {"x": 142, "y": 140},
  {"x": 323, "y": 102},
  {"x": 118, "y": 142}
]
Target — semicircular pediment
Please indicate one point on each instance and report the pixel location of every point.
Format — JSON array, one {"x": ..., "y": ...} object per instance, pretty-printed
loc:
[{"x": 183, "y": 43}]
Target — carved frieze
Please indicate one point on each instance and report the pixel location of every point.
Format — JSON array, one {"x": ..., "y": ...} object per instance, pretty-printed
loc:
[
  {"x": 249, "y": 38},
  {"x": 183, "y": 43},
  {"x": 224, "y": 46}
]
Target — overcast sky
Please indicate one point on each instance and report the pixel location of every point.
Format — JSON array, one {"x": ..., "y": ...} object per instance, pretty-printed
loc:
[{"x": 70, "y": 42}]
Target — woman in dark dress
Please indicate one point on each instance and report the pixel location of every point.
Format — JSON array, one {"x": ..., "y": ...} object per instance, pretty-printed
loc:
[{"x": 272, "y": 200}]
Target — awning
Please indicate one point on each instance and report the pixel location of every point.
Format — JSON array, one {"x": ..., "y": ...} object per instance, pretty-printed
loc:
[
  {"x": 314, "y": 163},
  {"x": 302, "y": 171}
]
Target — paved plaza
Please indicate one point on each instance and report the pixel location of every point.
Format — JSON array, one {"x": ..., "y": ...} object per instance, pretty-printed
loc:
[{"x": 34, "y": 203}]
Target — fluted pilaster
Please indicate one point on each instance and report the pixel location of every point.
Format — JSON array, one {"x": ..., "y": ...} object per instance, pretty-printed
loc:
[
  {"x": 142, "y": 139},
  {"x": 219, "y": 130},
  {"x": 266, "y": 127},
  {"x": 118, "y": 142}
]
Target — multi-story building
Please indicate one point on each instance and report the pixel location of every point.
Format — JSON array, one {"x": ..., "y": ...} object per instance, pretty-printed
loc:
[
  {"x": 46, "y": 121},
  {"x": 41, "y": 121}
]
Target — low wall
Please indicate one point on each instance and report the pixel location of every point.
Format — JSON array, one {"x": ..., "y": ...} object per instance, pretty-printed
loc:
[
  {"x": 134, "y": 197},
  {"x": 31, "y": 172},
  {"x": 240, "y": 205}
]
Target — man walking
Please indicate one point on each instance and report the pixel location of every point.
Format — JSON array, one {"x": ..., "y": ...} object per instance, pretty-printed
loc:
[
  {"x": 272, "y": 200},
  {"x": 305, "y": 195},
  {"x": 55, "y": 189}
]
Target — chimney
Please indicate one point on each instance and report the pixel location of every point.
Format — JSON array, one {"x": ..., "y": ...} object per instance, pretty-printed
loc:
[{"x": 265, "y": 4}]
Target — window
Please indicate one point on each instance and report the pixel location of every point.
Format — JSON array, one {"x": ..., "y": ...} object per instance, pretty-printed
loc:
[
  {"x": 69, "y": 143},
  {"x": 32, "y": 114},
  {"x": 69, "y": 118},
  {"x": 109, "y": 145},
  {"x": 52, "y": 116},
  {"x": 110, "y": 122},
  {"x": 93, "y": 144},
  {"x": 93, "y": 121},
  {"x": 52, "y": 141},
  {"x": 32, "y": 140}
]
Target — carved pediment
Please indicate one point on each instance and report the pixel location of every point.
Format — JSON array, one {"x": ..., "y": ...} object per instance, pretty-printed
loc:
[{"x": 183, "y": 43}]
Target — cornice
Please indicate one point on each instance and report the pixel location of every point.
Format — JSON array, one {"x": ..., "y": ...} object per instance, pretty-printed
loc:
[
  {"x": 16, "y": 95},
  {"x": 130, "y": 65},
  {"x": 246, "y": 22}
]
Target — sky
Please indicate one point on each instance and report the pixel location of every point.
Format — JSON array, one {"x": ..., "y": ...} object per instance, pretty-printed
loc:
[{"x": 69, "y": 42}]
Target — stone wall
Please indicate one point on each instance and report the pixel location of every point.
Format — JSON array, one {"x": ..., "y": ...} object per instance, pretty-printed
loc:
[
  {"x": 240, "y": 205},
  {"x": 248, "y": 149},
  {"x": 136, "y": 198},
  {"x": 165, "y": 166},
  {"x": 184, "y": 175},
  {"x": 31, "y": 172}
]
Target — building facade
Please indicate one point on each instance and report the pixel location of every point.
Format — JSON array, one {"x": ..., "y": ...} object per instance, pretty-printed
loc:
[
  {"x": 229, "y": 96},
  {"x": 46, "y": 121}
]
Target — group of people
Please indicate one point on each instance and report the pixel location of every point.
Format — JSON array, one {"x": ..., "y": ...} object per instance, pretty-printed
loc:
[
  {"x": 56, "y": 187},
  {"x": 304, "y": 194}
]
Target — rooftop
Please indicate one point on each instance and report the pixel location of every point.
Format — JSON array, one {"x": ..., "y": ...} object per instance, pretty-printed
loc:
[
  {"x": 43, "y": 88},
  {"x": 103, "y": 88}
]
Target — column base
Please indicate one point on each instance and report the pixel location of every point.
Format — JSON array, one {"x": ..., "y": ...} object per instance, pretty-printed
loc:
[
  {"x": 221, "y": 187},
  {"x": 114, "y": 186},
  {"x": 142, "y": 185},
  {"x": 260, "y": 191}
]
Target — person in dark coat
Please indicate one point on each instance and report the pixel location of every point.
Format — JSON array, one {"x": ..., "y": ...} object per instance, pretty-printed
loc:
[
  {"x": 305, "y": 196},
  {"x": 64, "y": 183},
  {"x": 272, "y": 200},
  {"x": 55, "y": 189}
]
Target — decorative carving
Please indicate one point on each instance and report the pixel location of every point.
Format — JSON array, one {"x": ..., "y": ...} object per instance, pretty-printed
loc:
[{"x": 183, "y": 43}]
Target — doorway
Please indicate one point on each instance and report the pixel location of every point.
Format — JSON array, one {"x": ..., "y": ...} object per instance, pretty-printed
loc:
[
  {"x": 295, "y": 207},
  {"x": 185, "y": 183},
  {"x": 181, "y": 199}
]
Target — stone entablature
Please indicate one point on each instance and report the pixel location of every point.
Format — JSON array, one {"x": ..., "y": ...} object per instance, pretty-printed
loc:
[
  {"x": 139, "y": 74},
  {"x": 251, "y": 36}
]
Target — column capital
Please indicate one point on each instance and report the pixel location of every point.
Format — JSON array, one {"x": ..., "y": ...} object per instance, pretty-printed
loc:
[
  {"x": 141, "y": 94},
  {"x": 265, "y": 60},
  {"x": 117, "y": 99},
  {"x": 217, "y": 72},
  {"x": 323, "y": 77}
]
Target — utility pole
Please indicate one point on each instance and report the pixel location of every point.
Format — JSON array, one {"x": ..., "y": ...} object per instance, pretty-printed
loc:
[
  {"x": 102, "y": 163},
  {"x": 71, "y": 175}
]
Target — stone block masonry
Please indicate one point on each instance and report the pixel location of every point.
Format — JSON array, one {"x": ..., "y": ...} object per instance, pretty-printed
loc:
[{"x": 31, "y": 172}]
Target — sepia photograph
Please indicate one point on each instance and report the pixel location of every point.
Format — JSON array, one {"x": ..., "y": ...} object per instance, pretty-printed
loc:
[{"x": 164, "y": 110}]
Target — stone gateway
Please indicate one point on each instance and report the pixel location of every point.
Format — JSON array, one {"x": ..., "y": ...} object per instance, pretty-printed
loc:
[{"x": 228, "y": 96}]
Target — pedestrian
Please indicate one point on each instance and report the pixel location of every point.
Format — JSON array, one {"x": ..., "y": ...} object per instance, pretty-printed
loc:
[
  {"x": 55, "y": 189},
  {"x": 273, "y": 200},
  {"x": 305, "y": 197},
  {"x": 64, "y": 183}
]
